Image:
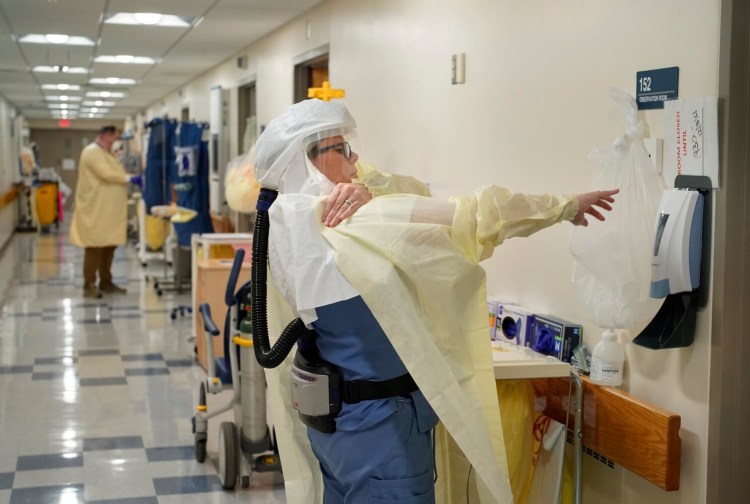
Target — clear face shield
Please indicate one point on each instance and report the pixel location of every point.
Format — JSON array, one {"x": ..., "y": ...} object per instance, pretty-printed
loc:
[{"x": 332, "y": 157}]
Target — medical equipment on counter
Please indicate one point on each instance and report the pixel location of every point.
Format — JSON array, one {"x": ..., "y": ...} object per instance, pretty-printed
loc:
[
  {"x": 555, "y": 337},
  {"x": 514, "y": 324},
  {"x": 248, "y": 435},
  {"x": 678, "y": 263}
]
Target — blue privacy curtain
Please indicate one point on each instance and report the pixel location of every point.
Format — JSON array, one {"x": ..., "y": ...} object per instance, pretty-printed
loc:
[
  {"x": 191, "y": 179},
  {"x": 183, "y": 151}
]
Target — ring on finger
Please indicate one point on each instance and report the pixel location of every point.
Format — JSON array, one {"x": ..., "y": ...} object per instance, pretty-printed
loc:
[{"x": 348, "y": 202}]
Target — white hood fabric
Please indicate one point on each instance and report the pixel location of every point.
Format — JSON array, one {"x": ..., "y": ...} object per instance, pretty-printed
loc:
[
  {"x": 281, "y": 164},
  {"x": 280, "y": 160}
]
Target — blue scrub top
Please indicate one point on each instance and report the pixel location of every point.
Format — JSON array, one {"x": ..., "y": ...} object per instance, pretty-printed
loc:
[{"x": 350, "y": 338}]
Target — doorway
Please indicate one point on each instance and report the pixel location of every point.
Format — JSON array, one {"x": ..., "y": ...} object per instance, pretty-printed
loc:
[{"x": 312, "y": 72}]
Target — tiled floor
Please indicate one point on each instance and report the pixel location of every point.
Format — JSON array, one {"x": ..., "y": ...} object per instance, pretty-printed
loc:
[{"x": 96, "y": 396}]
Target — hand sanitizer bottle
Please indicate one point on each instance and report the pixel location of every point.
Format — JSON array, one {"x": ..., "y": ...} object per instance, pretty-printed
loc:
[{"x": 607, "y": 361}]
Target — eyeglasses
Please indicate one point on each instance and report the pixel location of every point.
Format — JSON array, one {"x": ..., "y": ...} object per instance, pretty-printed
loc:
[{"x": 343, "y": 147}]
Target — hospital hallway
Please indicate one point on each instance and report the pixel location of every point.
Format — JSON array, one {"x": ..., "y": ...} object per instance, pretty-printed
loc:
[{"x": 98, "y": 394}]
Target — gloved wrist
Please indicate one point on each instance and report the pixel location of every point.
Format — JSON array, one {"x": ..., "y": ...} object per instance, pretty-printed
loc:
[{"x": 137, "y": 180}]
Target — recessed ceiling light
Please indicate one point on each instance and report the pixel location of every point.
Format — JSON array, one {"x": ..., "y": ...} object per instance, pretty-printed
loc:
[
  {"x": 112, "y": 81},
  {"x": 147, "y": 18},
  {"x": 125, "y": 58},
  {"x": 62, "y": 87},
  {"x": 56, "y": 38},
  {"x": 99, "y": 103},
  {"x": 60, "y": 68},
  {"x": 63, "y": 98},
  {"x": 105, "y": 94},
  {"x": 167, "y": 20}
]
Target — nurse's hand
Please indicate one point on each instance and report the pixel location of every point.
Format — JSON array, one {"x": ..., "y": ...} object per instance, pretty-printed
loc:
[
  {"x": 345, "y": 199},
  {"x": 587, "y": 203}
]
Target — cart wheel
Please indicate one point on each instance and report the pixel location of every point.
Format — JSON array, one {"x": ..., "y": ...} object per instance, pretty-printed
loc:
[
  {"x": 245, "y": 482},
  {"x": 200, "y": 450},
  {"x": 156, "y": 284},
  {"x": 227, "y": 455},
  {"x": 158, "y": 292},
  {"x": 143, "y": 265},
  {"x": 173, "y": 315}
]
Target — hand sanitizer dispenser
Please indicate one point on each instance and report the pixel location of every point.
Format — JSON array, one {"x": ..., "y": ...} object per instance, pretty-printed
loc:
[{"x": 675, "y": 263}]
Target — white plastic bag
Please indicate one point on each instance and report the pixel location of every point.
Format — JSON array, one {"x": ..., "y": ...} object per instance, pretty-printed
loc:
[
  {"x": 612, "y": 274},
  {"x": 242, "y": 187}
]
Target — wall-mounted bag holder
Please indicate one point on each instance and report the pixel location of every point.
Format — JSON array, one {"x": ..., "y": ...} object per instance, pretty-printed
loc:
[{"x": 679, "y": 264}]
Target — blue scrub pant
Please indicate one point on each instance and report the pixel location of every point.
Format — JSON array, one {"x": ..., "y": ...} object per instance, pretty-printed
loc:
[{"x": 389, "y": 462}]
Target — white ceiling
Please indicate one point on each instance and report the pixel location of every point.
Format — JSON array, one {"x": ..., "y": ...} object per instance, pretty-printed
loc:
[{"x": 221, "y": 28}]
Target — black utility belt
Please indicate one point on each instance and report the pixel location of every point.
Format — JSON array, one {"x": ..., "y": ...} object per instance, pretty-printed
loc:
[
  {"x": 361, "y": 390},
  {"x": 319, "y": 390}
]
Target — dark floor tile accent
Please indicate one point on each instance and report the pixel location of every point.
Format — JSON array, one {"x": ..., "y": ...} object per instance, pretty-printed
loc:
[
  {"x": 181, "y": 362},
  {"x": 90, "y": 305},
  {"x": 187, "y": 484},
  {"x": 95, "y": 352},
  {"x": 6, "y": 480},
  {"x": 49, "y": 318},
  {"x": 48, "y": 375},
  {"x": 147, "y": 371},
  {"x": 125, "y": 316},
  {"x": 112, "y": 443},
  {"x": 50, "y": 461},
  {"x": 99, "y": 382},
  {"x": 131, "y": 500},
  {"x": 69, "y": 494},
  {"x": 150, "y": 312},
  {"x": 124, "y": 307},
  {"x": 27, "y": 314},
  {"x": 142, "y": 357},
  {"x": 94, "y": 321},
  {"x": 165, "y": 453},
  {"x": 55, "y": 360},
  {"x": 16, "y": 369}
]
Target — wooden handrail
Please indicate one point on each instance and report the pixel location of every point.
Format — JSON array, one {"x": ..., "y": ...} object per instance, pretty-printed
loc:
[{"x": 637, "y": 435}]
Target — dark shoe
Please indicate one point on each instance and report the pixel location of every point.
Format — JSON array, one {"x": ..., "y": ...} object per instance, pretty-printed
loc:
[
  {"x": 112, "y": 289},
  {"x": 90, "y": 291}
]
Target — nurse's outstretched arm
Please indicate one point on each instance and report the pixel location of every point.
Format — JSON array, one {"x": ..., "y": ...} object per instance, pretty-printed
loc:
[{"x": 588, "y": 203}]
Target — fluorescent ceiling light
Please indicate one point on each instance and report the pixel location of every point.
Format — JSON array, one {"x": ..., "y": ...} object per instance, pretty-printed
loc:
[
  {"x": 63, "y": 98},
  {"x": 125, "y": 58},
  {"x": 60, "y": 68},
  {"x": 99, "y": 103},
  {"x": 112, "y": 81},
  {"x": 62, "y": 105},
  {"x": 94, "y": 110},
  {"x": 56, "y": 38},
  {"x": 147, "y": 18},
  {"x": 129, "y": 18},
  {"x": 62, "y": 87},
  {"x": 105, "y": 94}
]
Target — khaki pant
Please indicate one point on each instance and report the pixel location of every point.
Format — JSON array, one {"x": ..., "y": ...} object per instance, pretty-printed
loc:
[{"x": 98, "y": 259}]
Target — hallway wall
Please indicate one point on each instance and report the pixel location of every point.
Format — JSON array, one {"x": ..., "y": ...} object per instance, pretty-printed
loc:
[
  {"x": 533, "y": 106},
  {"x": 8, "y": 167}
]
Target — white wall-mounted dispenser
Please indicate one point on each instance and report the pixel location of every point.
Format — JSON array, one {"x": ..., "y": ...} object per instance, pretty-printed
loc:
[
  {"x": 675, "y": 264},
  {"x": 677, "y": 273}
]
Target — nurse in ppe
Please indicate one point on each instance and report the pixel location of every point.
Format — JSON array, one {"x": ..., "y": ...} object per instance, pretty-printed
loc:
[{"x": 395, "y": 300}]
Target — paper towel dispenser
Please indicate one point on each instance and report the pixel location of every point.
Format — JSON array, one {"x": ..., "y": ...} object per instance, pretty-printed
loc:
[{"x": 676, "y": 259}]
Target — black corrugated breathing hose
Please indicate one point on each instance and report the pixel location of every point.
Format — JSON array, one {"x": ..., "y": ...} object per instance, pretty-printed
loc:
[{"x": 267, "y": 356}]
